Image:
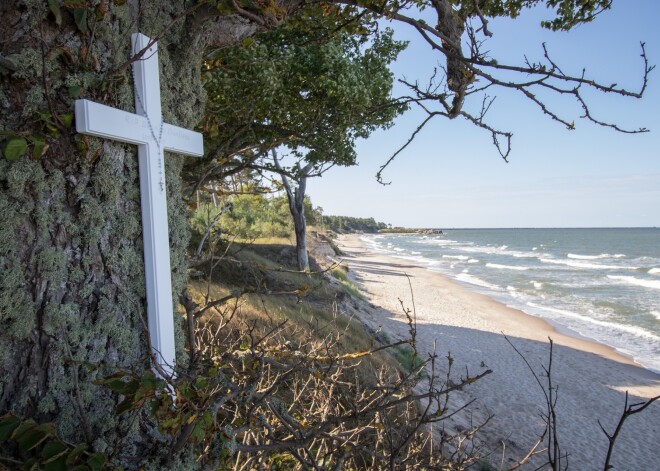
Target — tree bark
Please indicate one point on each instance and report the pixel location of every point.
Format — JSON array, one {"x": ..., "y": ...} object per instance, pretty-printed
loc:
[
  {"x": 72, "y": 289},
  {"x": 296, "y": 199}
]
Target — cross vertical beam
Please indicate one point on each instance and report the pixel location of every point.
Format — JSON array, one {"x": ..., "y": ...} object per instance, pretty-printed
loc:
[
  {"x": 147, "y": 130},
  {"x": 155, "y": 229}
]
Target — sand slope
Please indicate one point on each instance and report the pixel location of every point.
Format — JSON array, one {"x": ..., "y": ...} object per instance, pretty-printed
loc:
[{"x": 592, "y": 378}]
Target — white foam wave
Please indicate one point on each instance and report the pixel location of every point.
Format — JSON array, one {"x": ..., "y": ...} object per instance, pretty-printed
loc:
[
  {"x": 443, "y": 242},
  {"x": 654, "y": 271},
  {"x": 594, "y": 257},
  {"x": 416, "y": 253},
  {"x": 456, "y": 257},
  {"x": 577, "y": 264},
  {"x": 653, "y": 284},
  {"x": 473, "y": 260},
  {"x": 633, "y": 330},
  {"x": 473, "y": 280},
  {"x": 506, "y": 267},
  {"x": 656, "y": 314},
  {"x": 537, "y": 284},
  {"x": 501, "y": 250}
]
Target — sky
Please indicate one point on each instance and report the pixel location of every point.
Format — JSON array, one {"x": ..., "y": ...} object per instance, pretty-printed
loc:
[{"x": 451, "y": 175}]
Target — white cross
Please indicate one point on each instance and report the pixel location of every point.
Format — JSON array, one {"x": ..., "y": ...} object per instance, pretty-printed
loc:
[{"x": 146, "y": 129}]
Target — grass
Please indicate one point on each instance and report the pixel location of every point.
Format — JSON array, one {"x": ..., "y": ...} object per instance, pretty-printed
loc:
[
  {"x": 406, "y": 355},
  {"x": 307, "y": 304},
  {"x": 341, "y": 275}
]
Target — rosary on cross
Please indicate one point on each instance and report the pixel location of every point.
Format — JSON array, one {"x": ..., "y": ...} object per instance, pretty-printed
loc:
[{"x": 110, "y": 123}]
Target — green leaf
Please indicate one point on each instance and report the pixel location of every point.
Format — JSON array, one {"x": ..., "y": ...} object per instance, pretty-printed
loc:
[
  {"x": 96, "y": 461},
  {"x": 75, "y": 454},
  {"x": 31, "y": 439},
  {"x": 67, "y": 119},
  {"x": 40, "y": 146},
  {"x": 15, "y": 148},
  {"x": 75, "y": 91},
  {"x": 25, "y": 426},
  {"x": 30, "y": 464},
  {"x": 54, "y": 6},
  {"x": 57, "y": 464},
  {"x": 125, "y": 405},
  {"x": 80, "y": 17},
  {"x": 201, "y": 382},
  {"x": 53, "y": 450},
  {"x": 8, "y": 423}
]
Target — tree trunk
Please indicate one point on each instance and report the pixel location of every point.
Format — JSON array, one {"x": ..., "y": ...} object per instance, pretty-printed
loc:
[
  {"x": 300, "y": 228},
  {"x": 296, "y": 199},
  {"x": 72, "y": 285}
]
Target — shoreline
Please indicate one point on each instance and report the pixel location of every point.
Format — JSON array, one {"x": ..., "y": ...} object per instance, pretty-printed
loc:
[
  {"x": 557, "y": 329},
  {"x": 593, "y": 377}
]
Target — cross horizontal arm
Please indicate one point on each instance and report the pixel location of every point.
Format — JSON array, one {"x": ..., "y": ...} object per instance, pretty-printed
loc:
[
  {"x": 182, "y": 141},
  {"x": 110, "y": 123}
]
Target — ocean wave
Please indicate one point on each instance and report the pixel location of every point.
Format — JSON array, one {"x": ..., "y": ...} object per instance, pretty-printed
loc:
[
  {"x": 630, "y": 329},
  {"x": 416, "y": 253},
  {"x": 654, "y": 271},
  {"x": 537, "y": 284},
  {"x": 656, "y": 314},
  {"x": 507, "y": 267},
  {"x": 654, "y": 284},
  {"x": 595, "y": 257},
  {"x": 501, "y": 250},
  {"x": 473, "y": 280},
  {"x": 443, "y": 242},
  {"x": 456, "y": 257},
  {"x": 473, "y": 260},
  {"x": 593, "y": 266}
]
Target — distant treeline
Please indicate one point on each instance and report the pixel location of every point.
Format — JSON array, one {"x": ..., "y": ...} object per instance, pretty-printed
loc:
[{"x": 344, "y": 224}]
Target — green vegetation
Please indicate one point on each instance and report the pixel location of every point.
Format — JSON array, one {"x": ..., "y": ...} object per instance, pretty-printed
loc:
[
  {"x": 409, "y": 359},
  {"x": 340, "y": 273},
  {"x": 247, "y": 216},
  {"x": 345, "y": 224}
]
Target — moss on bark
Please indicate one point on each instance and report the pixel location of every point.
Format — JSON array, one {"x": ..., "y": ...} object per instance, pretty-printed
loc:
[{"x": 72, "y": 284}]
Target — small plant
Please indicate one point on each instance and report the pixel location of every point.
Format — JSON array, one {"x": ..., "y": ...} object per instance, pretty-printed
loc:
[
  {"x": 39, "y": 447},
  {"x": 340, "y": 274},
  {"x": 407, "y": 356}
]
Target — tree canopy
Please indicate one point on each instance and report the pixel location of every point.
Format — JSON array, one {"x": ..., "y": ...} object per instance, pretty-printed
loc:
[{"x": 314, "y": 93}]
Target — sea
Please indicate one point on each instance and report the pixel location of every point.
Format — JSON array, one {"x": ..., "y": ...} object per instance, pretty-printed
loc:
[{"x": 602, "y": 284}]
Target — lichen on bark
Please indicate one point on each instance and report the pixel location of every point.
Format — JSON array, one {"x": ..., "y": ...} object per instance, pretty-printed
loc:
[{"x": 72, "y": 286}]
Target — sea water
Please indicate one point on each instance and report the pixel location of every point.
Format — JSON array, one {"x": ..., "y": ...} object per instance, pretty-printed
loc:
[{"x": 603, "y": 284}]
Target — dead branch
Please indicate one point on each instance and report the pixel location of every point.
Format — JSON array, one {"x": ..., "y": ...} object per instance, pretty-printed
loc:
[{"x": 628, "y": 410}]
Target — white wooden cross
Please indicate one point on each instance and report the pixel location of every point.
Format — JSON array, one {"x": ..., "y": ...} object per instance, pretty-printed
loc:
[{"x": 153, "y": 137}]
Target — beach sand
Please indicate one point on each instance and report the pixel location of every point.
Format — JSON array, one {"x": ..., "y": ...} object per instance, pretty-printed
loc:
[{"x": 592, "y": 378}]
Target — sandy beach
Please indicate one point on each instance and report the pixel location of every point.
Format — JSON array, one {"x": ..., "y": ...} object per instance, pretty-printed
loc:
[{"x": 592, "y": 378}]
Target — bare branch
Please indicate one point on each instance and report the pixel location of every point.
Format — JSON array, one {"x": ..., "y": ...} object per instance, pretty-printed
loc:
[{"x": 627, "y": 412}]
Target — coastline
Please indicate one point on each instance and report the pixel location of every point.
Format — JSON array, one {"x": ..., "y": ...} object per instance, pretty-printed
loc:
[{"x": 592, "y": 377}]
